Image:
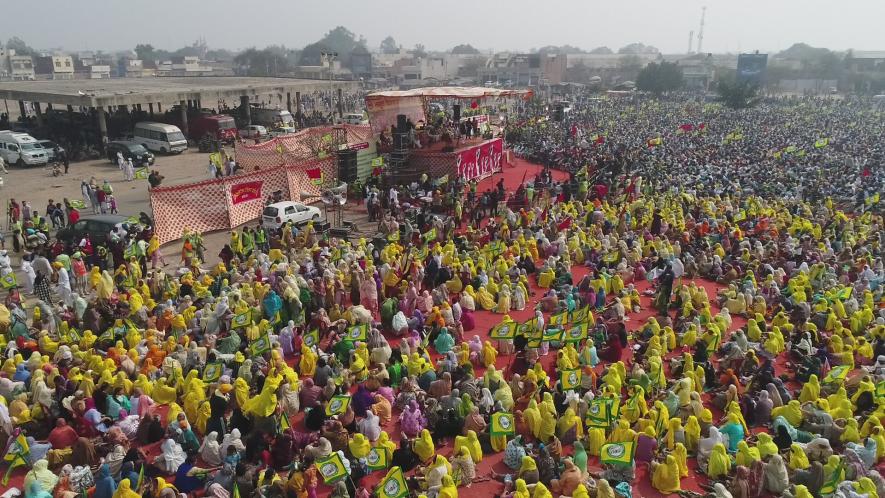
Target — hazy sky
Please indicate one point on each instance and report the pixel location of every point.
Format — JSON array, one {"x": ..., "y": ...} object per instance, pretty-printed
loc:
[{"x": 744, "y": 25}]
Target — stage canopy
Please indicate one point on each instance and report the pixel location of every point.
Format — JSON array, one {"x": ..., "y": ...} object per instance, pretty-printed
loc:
[{"x": 383, "y": 107}]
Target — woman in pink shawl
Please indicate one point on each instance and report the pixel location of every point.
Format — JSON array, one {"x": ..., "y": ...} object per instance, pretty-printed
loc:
[
  {"x": 145, "y": 405},
  {"x": 411, "y": 420},
  {"x": 309, "y": 393},
  {"x": 369, "y": 294},
  {"x": 467, "y": 320},
  {"x": 424, "y": 303},
  {"x": 407, "y": 305}
]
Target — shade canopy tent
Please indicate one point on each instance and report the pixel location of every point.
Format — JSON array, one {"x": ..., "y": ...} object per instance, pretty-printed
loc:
[{"x": 383, "y": 107}]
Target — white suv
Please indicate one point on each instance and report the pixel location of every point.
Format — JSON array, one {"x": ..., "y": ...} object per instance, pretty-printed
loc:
[
  {"x": 22, "y": 149},
  {"x": 275, "y": 215}
]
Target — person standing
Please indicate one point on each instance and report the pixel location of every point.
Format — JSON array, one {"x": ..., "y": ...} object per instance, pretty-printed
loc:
[
  {"x": 120, "y": 160},
  {"x": 129, "y": 170},
  {"x": 42, "y": 274}
]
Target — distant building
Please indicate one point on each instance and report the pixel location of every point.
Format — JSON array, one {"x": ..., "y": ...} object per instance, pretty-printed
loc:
[
  {"x": 54, "y": 67},
  {"x": 189, "y": 65},
  {"x": 511, "y": 69},
  {"x": 15, "y": 67},
  {"x": 867, "y": 60}
]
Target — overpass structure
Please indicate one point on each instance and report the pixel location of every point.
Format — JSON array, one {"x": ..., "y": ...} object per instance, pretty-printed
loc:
[{"x": 106, "y": 95}]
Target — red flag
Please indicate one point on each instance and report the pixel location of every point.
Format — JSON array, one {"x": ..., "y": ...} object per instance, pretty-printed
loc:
[
  {"x": 376, "y": 171},
  {"x": 686, "y": 127},
  {"x": 315, "y": 175},
  {"x": 565, "y": 224},
  {"x": 600, "y": 139}
]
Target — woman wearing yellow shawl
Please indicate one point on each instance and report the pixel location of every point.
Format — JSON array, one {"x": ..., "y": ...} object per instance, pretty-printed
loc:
[
  {"x": 746, "y": 455},
  {"x": 163, "y": 394},
  {"x": 489, "y": 354},
  {"x": 359, "y": 445},
  {"x": 666, "y": 476},
  {"x": 798, "y": 459},
  {"x": 851, "y": 433},
  {"x": 471, "y": 443},
  {"x": 548, "y": 418},
  {"x": 810, "y": 390},
  {"x": 448, "y": 489},
  {"x": 622, "y": 433},
  {"x": 792, "y": 412},
  {"x": 635, "y": 406},
  {"x": 692, "y": 433},
  {"x": 241, "y": 392},
  {"x": 532, "y": 416},
  {"x": 570, "y": 421},
  {"x": 423, "y": 446},
  {"x": 308, "y": 363},
  {"x": 719, "y": 463},
  {"x": 765, "y": 445}
]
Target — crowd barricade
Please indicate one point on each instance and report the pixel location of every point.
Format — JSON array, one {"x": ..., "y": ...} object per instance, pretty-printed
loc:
[
  {"x": 226, "y": 203},
  {"x": 301, "y": 146}
]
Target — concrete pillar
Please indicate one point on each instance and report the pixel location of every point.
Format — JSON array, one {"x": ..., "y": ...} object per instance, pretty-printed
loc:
[
  {"x": 245, "y": 112},
  {"x": 159, "y": 107},
  {"x": 340, "y": 103},
  {"x": 138, "y": 107},
  {"x": 21, "y": 108},
  {"x": 39, "y": 113},
  {"x": 183, "y": 117},
  {"x": 298, "y": 109},
  {"x": 102, "y": 126},
  {"x": 48, "y": 107},
  {"x": 289, "y": 102},
  {"x": 151, "y": 108}
]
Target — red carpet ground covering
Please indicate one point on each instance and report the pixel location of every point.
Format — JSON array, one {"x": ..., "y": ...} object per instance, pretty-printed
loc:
[{"x": 485, "y": 320}]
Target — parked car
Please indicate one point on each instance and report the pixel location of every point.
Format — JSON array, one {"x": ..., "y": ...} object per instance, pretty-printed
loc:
[
  {"x": 98, "y": 227},
  {"x": 253, "y": 131},
  {"x": 21, "y": 149},
  {"x": 354, "y": 119},
  {"x": 129, "y": 148},
  {"x": 282, "y": 130},
  {"x": 50, "y": 146},
  {"x": 275, "y": 215}
]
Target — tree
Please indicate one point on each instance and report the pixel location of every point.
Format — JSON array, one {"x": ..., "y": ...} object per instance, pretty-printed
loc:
[
  {"x": 630, "y": 62},
  {"x": 389, "y": 46},
  {"x": 660, "y": 78},
  {"x": 465, "y": 48},
  {"x": 144, "y": 51},
  {"x": 638, "y": 48},
  {"x": 737, "y": 94},
  {"x": 419, "y": 50},
  {"x": 602, "y": 51},
  {"x": 311, "y": 55},
  {"x": 20, "y": 47},
  {"x": 565, "y": 49},
  {"x": 265, "y": 62}
]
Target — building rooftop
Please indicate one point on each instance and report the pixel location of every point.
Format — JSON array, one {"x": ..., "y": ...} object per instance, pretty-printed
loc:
[{"x": 125, "y": 91}]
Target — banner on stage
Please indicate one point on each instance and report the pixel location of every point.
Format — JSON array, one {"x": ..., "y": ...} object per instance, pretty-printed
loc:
[
  {"x": 245, "y": 192},
  {"x": 480, "y": 161}
]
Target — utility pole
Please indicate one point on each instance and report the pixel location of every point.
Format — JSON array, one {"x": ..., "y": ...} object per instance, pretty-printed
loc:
[{"x": 701, "y": 31}]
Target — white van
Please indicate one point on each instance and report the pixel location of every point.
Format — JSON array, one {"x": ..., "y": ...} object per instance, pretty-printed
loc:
[
  {"x": 22, "y": 149},
  {"x": 160, "y": 137}
]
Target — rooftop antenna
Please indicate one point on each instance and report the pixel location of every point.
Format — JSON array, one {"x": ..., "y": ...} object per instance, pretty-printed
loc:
[
  {"x": 690, "y": 40},
  {"x": 701, "y": 31}
]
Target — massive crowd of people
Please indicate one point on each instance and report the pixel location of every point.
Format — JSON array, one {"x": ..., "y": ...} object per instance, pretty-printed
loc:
[{"x": 693, "y": 312}]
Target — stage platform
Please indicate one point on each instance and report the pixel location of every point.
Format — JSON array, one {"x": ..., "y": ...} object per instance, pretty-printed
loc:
[{"x": 471, "y": 160}]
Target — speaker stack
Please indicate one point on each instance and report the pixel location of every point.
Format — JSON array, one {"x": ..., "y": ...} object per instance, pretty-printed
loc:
[{"x": 347, "y": 170}]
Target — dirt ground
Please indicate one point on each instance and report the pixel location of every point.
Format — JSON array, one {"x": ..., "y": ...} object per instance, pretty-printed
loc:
[{"x": 37, "y": 186}]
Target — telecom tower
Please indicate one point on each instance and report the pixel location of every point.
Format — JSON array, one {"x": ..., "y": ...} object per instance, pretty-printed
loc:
[{"x": 701, "y": 31}]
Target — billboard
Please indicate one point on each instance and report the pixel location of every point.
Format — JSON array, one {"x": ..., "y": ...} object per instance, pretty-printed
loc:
[{"x": 751, "y": 67}]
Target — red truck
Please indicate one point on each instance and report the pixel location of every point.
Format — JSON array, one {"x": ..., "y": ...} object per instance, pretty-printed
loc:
[{"x": 219, "y": 127}]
